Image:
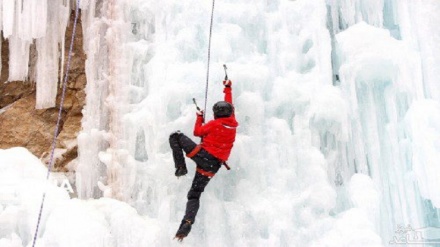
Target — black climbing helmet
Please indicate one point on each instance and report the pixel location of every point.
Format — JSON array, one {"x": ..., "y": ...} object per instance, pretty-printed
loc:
[{"x": 222, "y": 109}]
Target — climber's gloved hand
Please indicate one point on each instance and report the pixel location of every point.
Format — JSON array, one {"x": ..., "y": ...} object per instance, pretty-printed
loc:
[
  {"x": 200, "y": 113},
  {"x": 227, "y": 83}
]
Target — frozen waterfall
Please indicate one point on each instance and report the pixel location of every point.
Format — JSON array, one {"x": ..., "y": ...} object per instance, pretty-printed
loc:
[{"x": 337, "y": 100}]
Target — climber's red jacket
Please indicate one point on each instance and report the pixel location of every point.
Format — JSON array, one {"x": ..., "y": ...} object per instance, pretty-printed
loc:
[{"x": 219, "y": 134}]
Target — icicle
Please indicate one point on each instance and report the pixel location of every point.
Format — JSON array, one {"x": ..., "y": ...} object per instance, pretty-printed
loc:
[
  {"x": 1, "y": 28},
  {"x": 18, "y": 49},
  {"x": 1, "y": 15},
  {"x": 24, "y": 28},
  {"x": 0, "y": 54},
  {"x": 354, "y": 11},
  {"x": 372, "y": 12},
  {"x": 18, "y": 58},
  {"x": 8, "y": 18},
  {"x": 61, "y": 39},
  {"x": 39, "y": 18},
  {"x": 49, "y": 55},
  {"x": 87, "y": 20},
  {"x": 92, "y": 139}
]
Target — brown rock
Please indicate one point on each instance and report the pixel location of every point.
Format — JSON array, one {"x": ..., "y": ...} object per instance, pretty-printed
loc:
[
  {"x": 12, "y": 91},
  {"x": 22, "y": 125}
]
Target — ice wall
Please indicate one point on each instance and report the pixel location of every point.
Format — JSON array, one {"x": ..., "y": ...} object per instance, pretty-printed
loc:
[
  {"x": 326, "y": 95},
  {"x": 380, "y": 78},
  {"x": 108, "y": 72},
  {"x": 337, "y": 102},
  {"x": 418, "y": 21},
  {"x": 387, "y": 80},
  {"x": 278, "y": 52},
  {"x": 39, "y": 26},
  {"x": 345, "y": 13},
  {"x": 422, "y": 121},
  {"x": 414, "y": 22}
]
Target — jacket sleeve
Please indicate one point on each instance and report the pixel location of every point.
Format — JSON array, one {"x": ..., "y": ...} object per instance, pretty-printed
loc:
[
  {"x": 200, "y": 129},
  {"x": 228, "y": 94}
]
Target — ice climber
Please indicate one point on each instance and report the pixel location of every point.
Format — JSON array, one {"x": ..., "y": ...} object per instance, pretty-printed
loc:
[{"x": 218, "y": 137}]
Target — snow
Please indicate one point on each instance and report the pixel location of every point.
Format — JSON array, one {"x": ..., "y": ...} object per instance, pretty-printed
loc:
[
  {"x": 319, "y": 160},
  {"x": 109, "y": 223},
  {"x": 65, "y": 221},
  {"x": 22, "y": 182}
]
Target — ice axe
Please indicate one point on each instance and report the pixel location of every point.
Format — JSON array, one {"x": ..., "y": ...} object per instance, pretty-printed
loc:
[
  {"x": 226, "y": 73},
  {"x": 195, "y": 103},
  {"x": 199, "y": 110}
]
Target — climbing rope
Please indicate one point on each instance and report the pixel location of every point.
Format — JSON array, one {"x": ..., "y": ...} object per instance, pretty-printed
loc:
[
  {"x": 49, "y": 168},
  {"x": 209, "y": 58}
]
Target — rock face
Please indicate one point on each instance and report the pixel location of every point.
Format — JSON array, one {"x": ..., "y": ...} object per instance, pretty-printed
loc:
[{"x": 22, "y": 125}]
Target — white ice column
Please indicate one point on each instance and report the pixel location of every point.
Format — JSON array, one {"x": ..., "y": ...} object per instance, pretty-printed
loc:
[
  {"x": 24, "y": 22},
  {"x": 48, "y": 49},
  {"x": 8, "y": 16},
  {"x": 419, "y": 25},
  {"x": 38, "y": 9},
  {"x": 91, "y": 139},
  {"x": 381, "y": 77},
  {"x": 423, "y": 126},
  {"x": 345, "y": 13},
  {"x": 1, "y": 27},
  {"x": 119, "y": 168},
  {"x": 106, "y": 103},
  {"x": 18, "y": 48}
]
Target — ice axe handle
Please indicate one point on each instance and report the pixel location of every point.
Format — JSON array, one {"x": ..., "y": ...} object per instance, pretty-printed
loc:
[
  {"x": 195, "y": 103},
  {"x": 226, "y": 73}
]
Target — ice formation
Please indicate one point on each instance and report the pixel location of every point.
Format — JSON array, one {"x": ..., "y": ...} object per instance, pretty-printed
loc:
[
  {"x": 338, "y": 104},
  {"x": 36, "y": 28}
]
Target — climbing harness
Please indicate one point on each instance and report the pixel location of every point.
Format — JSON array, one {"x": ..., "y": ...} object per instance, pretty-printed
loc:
[
  {"x": 205, "y": 173},
  {"x": 209, "y": 58},
  {"x": 49, "y": 168},
  {"x": 194, "y": 151}
]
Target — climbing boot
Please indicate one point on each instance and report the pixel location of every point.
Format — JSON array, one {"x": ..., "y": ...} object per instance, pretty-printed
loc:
[
  {"x": 181, "y": 171},
  {"x": 184, "y": 229}
]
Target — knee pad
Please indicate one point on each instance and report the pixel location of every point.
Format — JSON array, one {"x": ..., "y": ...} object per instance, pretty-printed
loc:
[
  {"x": 194, "y": 195},
  {"x": 175, "y": 134}
]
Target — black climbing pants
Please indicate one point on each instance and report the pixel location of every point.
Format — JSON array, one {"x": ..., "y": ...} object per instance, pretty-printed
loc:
[{"x": 205, "y": 161}]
